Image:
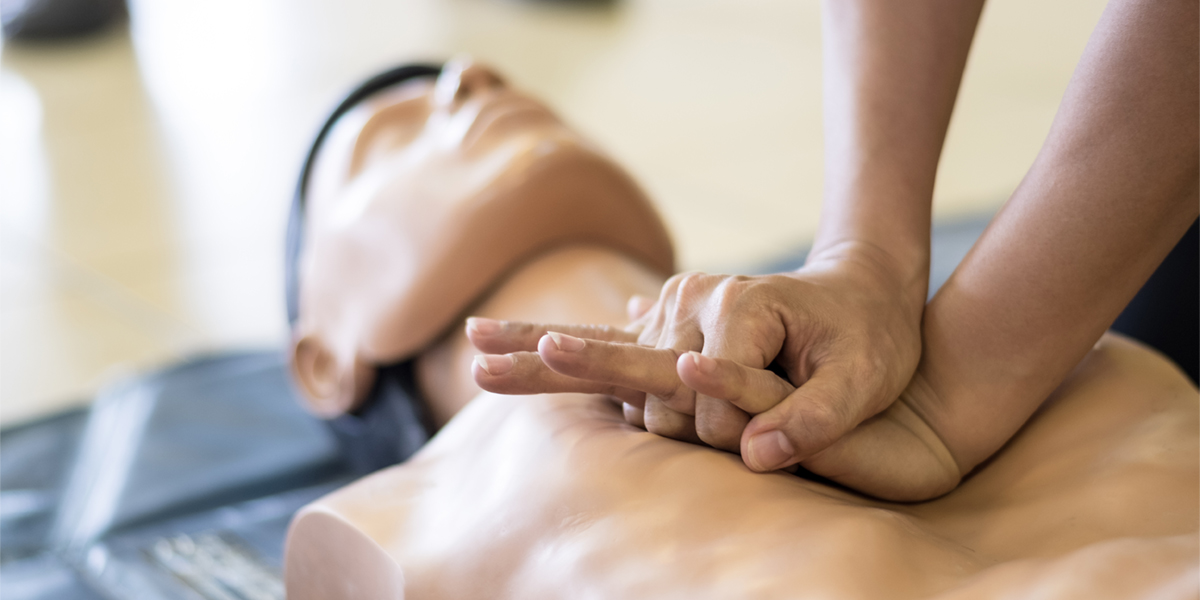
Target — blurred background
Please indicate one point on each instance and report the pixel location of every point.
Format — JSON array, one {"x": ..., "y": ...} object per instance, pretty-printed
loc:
[{"x": 146, "y": 169}]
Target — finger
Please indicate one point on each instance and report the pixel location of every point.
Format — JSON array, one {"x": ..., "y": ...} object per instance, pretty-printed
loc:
[
  {"x": 678, "y": 332},
  {"x": 662, "y": 420},
  {"x": 650, "y": 325},
  {"x": 806, "y": 422},
  {"x": 680, "y": 327},
  {"x": 634, "y": 415},
  {"x": 501, "y": 337},
  {"x": 677, "y": 339},
  {"x": 720, "y": 424},
  {"x": 524, "y": 373},
  {"x": 721, "y": 411},
  {"x": 638, "y": 306},
  {"x": 751, "y": 390},
  {"x": 704, "y": 307},
  {"x": 649, "y": 370},
  {"x": 744, "y": 337}
]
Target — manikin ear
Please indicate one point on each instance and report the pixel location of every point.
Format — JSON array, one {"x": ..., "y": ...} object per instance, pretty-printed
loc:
[{"x": 330, "y": 386}]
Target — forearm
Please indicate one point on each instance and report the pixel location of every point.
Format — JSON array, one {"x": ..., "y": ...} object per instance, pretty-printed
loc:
[
  {"x": 1113, "y": 189},
  {"x": 891, "y": 75}
]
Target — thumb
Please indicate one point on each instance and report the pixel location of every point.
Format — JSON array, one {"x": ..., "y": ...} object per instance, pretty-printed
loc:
[{"x": 806, "y": 422}]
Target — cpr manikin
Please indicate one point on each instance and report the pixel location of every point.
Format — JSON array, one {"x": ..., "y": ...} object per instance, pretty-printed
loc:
[
  {"x": 442, "y": 188},
  {"x": 435, "y": 199}
]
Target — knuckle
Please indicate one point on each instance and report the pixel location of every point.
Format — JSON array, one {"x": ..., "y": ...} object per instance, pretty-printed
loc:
[
  {"x": 719, "y": 424},
  {"x": 710, "y": 433},
  {"x": 740, "y": 295},
  {"x": 660, "y": 419},
  {"x": 672, "y": 285},
  {"x": 658, "y": 427},
  {"x": 656, "y": 418},
  {"x": 740, "y": 284},
  {"x": 633, "y": 415},
  {"x": 651, "y": 424},
  {"x": 692, "y": 286},
  {"x": 716, "y": 433},
  {"x": 676, "y": 278},
  {"x": 729, "y": 295},
  {"x": 681, "y": 400}
]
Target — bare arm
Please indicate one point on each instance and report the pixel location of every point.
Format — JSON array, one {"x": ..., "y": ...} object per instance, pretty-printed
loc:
[
  {"x": 1112, "y": 191},
  {"x": 891, "y": 75},
  {"x": 847, "y": 326}
]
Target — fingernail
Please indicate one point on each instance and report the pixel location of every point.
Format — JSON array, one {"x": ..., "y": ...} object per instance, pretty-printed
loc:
[
  {"x": 494, "y": 364},
  {"x": 703, "y": 363},
  {"x": 566, "y": 343},
  {"x": 768, "y": 451},
  {"x": 483, "y": 326}
]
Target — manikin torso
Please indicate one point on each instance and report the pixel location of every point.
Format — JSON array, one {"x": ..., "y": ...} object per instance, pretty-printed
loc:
[{"x": 556, "y": 496}]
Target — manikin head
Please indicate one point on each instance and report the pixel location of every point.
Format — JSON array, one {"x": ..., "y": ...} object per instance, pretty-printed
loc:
[{"x": 419, "y": 198}]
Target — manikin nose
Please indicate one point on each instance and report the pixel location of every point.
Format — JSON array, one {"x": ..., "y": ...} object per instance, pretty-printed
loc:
[{"x": 463, "y": 78}]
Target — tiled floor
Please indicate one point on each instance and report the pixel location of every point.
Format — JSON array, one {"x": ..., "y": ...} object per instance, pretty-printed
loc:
[{"x": 145, "y": 174}]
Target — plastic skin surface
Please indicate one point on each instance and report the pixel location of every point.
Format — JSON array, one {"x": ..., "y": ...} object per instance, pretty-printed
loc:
[
  {"x": 442, "y": 186},
  {"x": 557, "y": 497}
]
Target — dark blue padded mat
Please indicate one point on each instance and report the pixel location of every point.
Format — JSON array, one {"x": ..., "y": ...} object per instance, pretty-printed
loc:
[
  {"x": 134, "y": 497},
  {"x": 34, "y": 460}
]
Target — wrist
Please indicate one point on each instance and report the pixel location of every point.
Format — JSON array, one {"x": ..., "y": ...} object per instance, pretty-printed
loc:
[
  {"x": 903, "y": 269},
  {"x": 885, "y": 224}
]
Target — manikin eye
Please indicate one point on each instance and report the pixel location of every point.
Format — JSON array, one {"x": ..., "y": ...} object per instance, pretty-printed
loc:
[{"x": 401, "y": 115}]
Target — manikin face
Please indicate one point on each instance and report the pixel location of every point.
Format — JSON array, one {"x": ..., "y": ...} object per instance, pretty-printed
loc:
[
  {"x": 444, "y": 139},
  {"x": 420, "y": 197}
]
